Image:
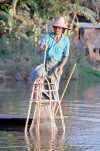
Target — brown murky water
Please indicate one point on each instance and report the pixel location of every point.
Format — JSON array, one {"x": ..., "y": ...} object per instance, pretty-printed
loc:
[{"x": 81, "y": 104}]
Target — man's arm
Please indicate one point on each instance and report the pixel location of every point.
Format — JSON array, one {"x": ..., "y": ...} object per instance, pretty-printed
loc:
[{"x": 62, "y": 64}]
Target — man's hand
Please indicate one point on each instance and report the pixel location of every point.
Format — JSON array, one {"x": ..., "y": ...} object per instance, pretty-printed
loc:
[
  {"x": 62, "y": 64},
  {"x": 60, "y": 70},
  {"x": 45, "y": 47},
  {"x": 42, "y": 48}
]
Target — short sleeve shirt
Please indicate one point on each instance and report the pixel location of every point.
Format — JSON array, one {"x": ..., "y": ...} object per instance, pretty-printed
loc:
[{"x": 55, "y": 50}]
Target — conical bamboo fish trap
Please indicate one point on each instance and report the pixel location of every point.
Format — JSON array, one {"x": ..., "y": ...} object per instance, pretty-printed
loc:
[
  {"x": 45, "y": 106},
  {"x": 46, "y": 122}
]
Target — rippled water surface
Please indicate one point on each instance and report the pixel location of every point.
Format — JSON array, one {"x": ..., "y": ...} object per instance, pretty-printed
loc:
[{"x": 81, "y": 104}]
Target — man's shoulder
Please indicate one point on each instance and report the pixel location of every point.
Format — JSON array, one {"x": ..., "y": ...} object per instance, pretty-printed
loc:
[{"x": 65, "y": 39}]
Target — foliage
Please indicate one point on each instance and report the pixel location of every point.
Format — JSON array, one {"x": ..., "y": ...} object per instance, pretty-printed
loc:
[
  {"x": 82, "y": 11},
  {"x": 18, "y": 30},
  {"x": 41, "y": 12},
  {"x": 19, "y": 54},
  {"x": 5, "y": 46},
  {"x": 86, "y": 70}
]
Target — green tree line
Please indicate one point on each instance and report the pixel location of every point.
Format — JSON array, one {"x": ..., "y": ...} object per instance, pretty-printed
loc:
[
  {"x": 22, "y": 23},
  {"x": 17, "y": 12}
]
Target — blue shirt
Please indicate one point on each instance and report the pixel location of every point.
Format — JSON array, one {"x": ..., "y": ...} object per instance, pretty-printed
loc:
[{"x": 56, "y": 50}]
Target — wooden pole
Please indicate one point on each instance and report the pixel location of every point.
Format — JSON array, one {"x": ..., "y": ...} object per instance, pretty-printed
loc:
[
  {"x": 44, "y": 58},
  {"x": 66, "y": 86},
  {"x": 41, "y": 87},
  {"x": 29, "y": 109}
]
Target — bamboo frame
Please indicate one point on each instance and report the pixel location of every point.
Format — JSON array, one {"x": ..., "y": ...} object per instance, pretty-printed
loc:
[{"x": 51, "y": 102}]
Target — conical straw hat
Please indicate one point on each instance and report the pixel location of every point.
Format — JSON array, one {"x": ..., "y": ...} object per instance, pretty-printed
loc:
[{"x": 59, "y": 22}]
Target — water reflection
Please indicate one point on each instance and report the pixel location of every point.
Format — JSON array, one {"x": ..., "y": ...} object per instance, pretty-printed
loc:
[{"x": 45, "y": 141}]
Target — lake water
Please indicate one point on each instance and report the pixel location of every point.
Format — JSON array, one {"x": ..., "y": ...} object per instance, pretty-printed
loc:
[{"x": 81, "y": 104}]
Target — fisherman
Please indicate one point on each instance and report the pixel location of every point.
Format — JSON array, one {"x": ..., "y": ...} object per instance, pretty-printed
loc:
[{"x": 57, "y": 52}]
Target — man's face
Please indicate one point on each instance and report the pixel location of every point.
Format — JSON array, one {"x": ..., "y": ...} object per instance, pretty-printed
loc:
[{"x": 58, "y": 30}]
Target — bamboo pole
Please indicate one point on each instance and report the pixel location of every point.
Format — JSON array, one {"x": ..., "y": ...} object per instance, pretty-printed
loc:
[
  {"x": 29, "y": 109},
  {"x": 40, "y": 95},
  {"x": 44, "y": 58},
  {"x": 66, "y": 86},
  {"x": 26, "y": 127}
]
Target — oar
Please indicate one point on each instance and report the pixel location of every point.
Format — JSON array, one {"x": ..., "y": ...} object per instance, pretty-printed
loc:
[{"x": 67, "y": 82}]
